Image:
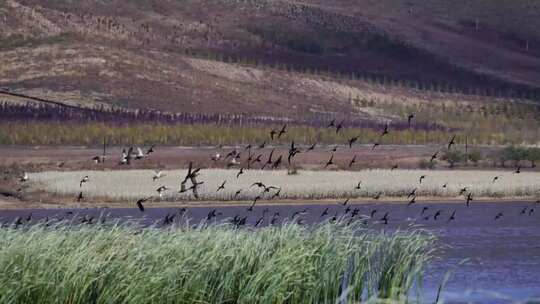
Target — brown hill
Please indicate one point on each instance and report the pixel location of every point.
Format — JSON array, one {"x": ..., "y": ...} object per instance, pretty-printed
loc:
[{"x": 269, "y": 57}]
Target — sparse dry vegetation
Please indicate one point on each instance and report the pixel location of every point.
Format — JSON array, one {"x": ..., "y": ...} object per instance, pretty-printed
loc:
[{"x": 307, "y": 185}]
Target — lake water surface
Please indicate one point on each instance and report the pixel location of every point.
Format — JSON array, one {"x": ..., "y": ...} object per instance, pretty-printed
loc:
[{"x": 490, "y": 260}]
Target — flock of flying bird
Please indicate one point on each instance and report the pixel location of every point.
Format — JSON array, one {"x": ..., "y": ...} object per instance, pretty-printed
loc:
[{"x": 233, "y": 159}]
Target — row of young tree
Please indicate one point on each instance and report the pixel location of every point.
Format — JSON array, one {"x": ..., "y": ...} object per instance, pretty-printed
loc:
[
  {"x": 498, "y": 90},
  {"x": 45, "y": 111},
  {"x": 517, "y": 156}
]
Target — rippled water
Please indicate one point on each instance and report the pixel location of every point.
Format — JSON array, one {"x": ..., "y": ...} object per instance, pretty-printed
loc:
[{"x": 492, "y": 261}]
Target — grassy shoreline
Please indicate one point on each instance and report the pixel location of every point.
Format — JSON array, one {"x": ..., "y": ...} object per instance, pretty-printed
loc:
[{"x": 68, "y": 203}]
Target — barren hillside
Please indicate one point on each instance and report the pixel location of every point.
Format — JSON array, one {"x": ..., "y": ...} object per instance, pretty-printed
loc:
[{"x": 269, "y": 57}]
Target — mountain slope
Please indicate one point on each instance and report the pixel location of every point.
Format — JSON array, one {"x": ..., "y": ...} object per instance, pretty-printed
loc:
[{"x": 237, "y": 56}]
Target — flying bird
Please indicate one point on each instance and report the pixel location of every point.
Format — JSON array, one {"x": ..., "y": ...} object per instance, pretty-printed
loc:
[
  {"x": 375, "y": 145},
  {"x": 469, "y": 199},
  {"x": 233, "y": 162},
  {"x": 24, "y": 177},
  {"x": 385, "y": 131},
  {"x": 257, "y": 159},
  {"x": 332, "y": 124},
  {"x": 258, "y": 184},
  {"x": 216, "y": 157},
  {"x": 412, "y": 193},
  {"x": 273, "y": 133},
  {"x": 325, "y": 212},
  {"x": 157, "y": 175},
  {"x": 292, "y": 152},
  {"x": 249, "y": 159},
  {"x": 434, "y": 156},
  {"x": 258, "y": 197},
  {"x": 267, "y": 189},
  {"x": 277, "y": 163},
  {"x": 126, "y": 157},
  {"x": 410, "y": 118},
  {"x": 339, "y": 127},
  {"x": 269, "y": 161},
  {"x": 299, "y": 213},
  {"x": 150, "y": 150},
  {"x": 282, "y": 131},
  {"x": 422, "y": 178},
  {"x": 222, "y": 186},
  {"x": 498, "y": 216},
  {"x": 232, "y": 154},
  {"x": 192, "y": 188},
  {"x": 352, "y": 140},
  {"x": 191, "y": 176},
  {"x": 212, "y": 214},
  {"x": 330, "y": 161},
  {"x": 385, "y": 218},
  {"x": 161, "y": 190},
  {"x": 353, "y": 160},
  {"x": 84, "y": 180},
  {"x": 412, "y": 201},
  {"x": 358, "y": 186},
  {"x": 276, "y": 194},
  {"x": 140, "y": 154},
  {"x": 259, "y": 221},
  {"x": 140, "y": 203},
  {"x": 452, "y": 142},
  {"x": 240, "y": 172},
  {"x": 169, "y": 219},
  {"x": 452, "y": 217}
]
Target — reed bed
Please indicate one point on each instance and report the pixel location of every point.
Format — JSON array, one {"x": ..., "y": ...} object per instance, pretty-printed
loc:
[
  {"x": 134, "y": 184},
  {"x": 215, "y": 264}
]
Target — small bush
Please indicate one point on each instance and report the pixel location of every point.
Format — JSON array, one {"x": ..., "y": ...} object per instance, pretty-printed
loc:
[
  {"x": 475, "y": 156},
  {"x": 292, "y": 170},
  {"x": 426, "y": 164},
  {"x": 453, "y": 157}
]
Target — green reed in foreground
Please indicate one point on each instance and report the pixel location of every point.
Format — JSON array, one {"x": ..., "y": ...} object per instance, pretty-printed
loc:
[{"x": 217, "y": 264}]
